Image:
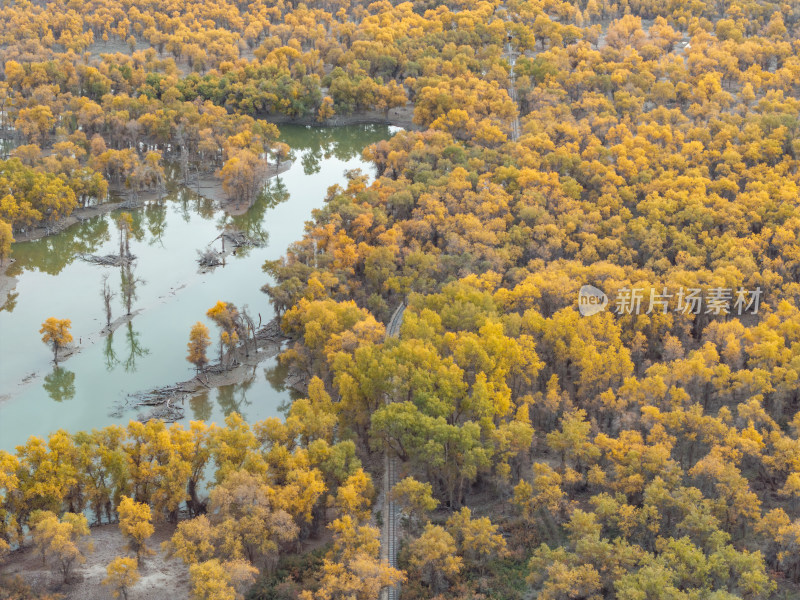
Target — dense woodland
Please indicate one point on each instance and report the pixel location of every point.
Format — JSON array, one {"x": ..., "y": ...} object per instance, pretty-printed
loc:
[{"x": 544, "y": 454}]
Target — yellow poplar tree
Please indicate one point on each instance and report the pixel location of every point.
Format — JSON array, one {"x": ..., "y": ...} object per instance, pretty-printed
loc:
[
  {"x": 122, "y": 573},
  {"x": 326, "y": 110},
  {"x": 213, "y": 580},
  {"x": 6, "y": 239},
  {"x": 56, "y": 333},
  {"x": 135, "y": 524},
  {"x": 58, "y": 541},
  {"x": 199, "y": 340},
  {"x": 434, "y": 556}
]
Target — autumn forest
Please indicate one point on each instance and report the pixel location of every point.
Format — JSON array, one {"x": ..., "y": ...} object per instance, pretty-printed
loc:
[{"x": 472, "y": 423}]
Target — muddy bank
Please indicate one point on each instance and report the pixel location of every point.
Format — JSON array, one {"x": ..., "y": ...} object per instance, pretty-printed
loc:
[
  {"x": 168, "y": 403},
  {"x": 206, "y": 186},
  {"x": 78, "y": 215},
  {"x": 212, "y": 188}
]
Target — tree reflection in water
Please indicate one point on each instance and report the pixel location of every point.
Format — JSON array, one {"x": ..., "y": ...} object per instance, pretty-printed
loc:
[
  {"x": 321, "y": 143},
  {"x": 51, "y": 254},
  {"x": 60, "y": 384},
  {"x": 156, "y": 215},
  {"x": 252, "y": 222},
  {"x": 108, "y": 351},
  {"x": 232, "y": 398},
  {"x": 11, "y": 302},
  {"x": 201, "y": 406},
  {"x": 135, "y": 349}
]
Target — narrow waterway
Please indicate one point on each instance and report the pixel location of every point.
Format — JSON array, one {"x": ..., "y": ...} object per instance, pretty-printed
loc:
[{"x": 88, "y": 389}]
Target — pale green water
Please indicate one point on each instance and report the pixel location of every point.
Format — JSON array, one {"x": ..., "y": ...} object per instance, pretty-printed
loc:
[{"x": 150, "y": 351}]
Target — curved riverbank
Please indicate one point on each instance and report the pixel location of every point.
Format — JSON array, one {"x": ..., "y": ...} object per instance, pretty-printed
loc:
[
  {"x": 145, "y": 353},
  {"x": 207, "y": 186}
]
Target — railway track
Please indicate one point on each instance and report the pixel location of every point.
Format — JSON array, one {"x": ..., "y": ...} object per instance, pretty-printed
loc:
[
  {"x": 392, "y": 517},
  {"x": 391, "y": 510}
]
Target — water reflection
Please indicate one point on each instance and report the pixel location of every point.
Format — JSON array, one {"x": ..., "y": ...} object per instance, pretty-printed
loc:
[
  {"x": 109, "y": 354},
  {"x": 175, "y": 296},
  {"x": 253, "y": 223},
  {"x": 201, "y": 406},
  {"x": 276, "y": 375},
  {"x": 192, "y": 204},
  {"x": 137, "y": 226},
  {"x": 51, "y": 254},
  {"x": 11, "y": 302},
  {"x": 60, "y": 384},
  {"x": 320, "y": 144},
  {"x": 156, "y": 214},
  {"x": 233, "y": 398},
  {"x": 135, "y": 348},
  {"x": 129, "y": 283}
]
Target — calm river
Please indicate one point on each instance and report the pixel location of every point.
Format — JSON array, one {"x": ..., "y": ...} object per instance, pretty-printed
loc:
[{"x": 87, "y": 390}]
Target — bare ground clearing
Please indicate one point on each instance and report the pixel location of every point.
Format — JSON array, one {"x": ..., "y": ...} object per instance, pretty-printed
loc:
[{"x": 160, "y": 577}]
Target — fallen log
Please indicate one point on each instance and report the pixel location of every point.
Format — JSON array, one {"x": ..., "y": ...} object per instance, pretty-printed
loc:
[
  {"x": 209, "y": 257},
  {"x": 109, "y": 260}
]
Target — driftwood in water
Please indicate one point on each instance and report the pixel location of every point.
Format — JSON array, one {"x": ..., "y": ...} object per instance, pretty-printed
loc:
[
  {"x": 167, "y": 402},
  {"x": 109, "y": 260},
  {"x": 164, "y": 402},
  {"x": 209, "y": 257},
  {"x": 237, "y": 239},
  {"x": 160, "y": 395},
  {"x": 166, "y": 412},
  {"x": 271, "y": 332}
]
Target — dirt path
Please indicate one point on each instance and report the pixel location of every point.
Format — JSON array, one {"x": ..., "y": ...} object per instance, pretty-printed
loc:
[{"x": 160, "y": 577}]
